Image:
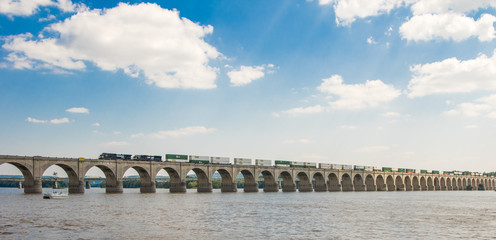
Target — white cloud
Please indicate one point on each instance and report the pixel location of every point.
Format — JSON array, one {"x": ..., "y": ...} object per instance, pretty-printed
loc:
[
  {"x": 142, "y": 40},
  {"x": 304, "y": 110},
  {"x": 187, "y": 131},
  {"x": 347, "y": 11},
  {"x": 453, "y": 76},
  {"x": 444, "y": 6},
  {"x": 248, "y": 74},
  {"x": 29, "y": 7},
  {"x": 117, "y": 132},
  {"x": 53, "y": 121},
  {"x": 34, "y": 120},
  {"x": 370, "y": 40},
  {"x": 78, "y": 110},
  {"x": 484, "y": 106},
  {"x": 95, "y": 124},
  {"x": 358, "y": 96},
  {"x": 448, "y": 26},
  {"x": 372, "y": 149},
  {"x": 59, "y": 121},
  {"x": 391, "y": 114}
]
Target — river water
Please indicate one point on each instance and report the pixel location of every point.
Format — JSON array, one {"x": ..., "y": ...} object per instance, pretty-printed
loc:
[{"x": 326, "y": 215}]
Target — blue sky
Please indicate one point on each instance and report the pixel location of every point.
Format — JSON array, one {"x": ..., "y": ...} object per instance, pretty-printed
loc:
[{"x": 404, "y": 83}]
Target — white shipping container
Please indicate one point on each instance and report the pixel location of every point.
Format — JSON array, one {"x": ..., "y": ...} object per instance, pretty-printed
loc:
[
  {"x": 260, "y": 162},
  {"x": 394, "y": 169},
  {"x": 242, "y": 161},
  {"x": 191, "y": 157},
  {"x": 177, "y": 160},
  {"x": 369, "y": 168},
  {"x": 336, "y": 166},
  {"x": 220, "y": 160},
  {"x": 325, "y": 165},
  {"x": 294, "y": 163},
  {"x": 377, "y": 168},
  {"x": 347, "y": 167},
  {"x": 429, "y": 171}
]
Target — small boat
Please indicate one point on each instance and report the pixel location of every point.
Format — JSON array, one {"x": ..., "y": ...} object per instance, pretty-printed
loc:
[{"x": 55, "y": 195}]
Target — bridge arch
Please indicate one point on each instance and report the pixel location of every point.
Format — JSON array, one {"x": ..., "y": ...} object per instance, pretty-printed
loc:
[
  {"x": 430, "y": 184},
  {"x": 474, "y": 185},
  {"x": 75, "y": 186},
  {"x": 449, "y": 185},
  {"x": 408, "y": 184},
  {"x": 112, "y": 185},
  {"x": 358, "y": 183},
  {"x": 320, "y": 182},
  {"x": 437, "y": 185},
  {"x": 30, "y": 184},
  {"x": 227, "y": 180},
  {"x": 380, "y": 183},
  {"x": 204, "y": 181},
  {"x": 147, "y": 184},
  {"x": 346, "y": 183},
  {"x": 305, "y": 184},
  {"x": 369, "y": 183},
  {"x": 416, "y": 183},
  {"x": 464, "y": 184},
  {"x": 399, "y": 186},
  {"x": 460, "y": 184},
  {"x": 250, "y": 183},
  {"x": 334, "y": 183},
  {"x": 288, "y": 183},
  {"x": 423, "y": 183},
  {"x": 270, "y": 184},
  {"x": 390, "y": 183}
]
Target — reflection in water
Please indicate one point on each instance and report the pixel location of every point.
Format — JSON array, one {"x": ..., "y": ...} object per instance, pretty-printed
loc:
[{"x": 326, "y": 215}]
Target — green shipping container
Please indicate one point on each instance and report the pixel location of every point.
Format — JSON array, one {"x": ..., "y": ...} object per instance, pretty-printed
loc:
[
  {"x": 423, "y": 171},
  {"x": 199, "y": 161},
  {"x": 283, "y": 162},
  {"x": 387, "y": 169},
  {"x": 435, "y": 172},
  {"x": 176, "y": 156},
  {"x": 401, "y": 170},
  {"x": 408, "y": 170}
]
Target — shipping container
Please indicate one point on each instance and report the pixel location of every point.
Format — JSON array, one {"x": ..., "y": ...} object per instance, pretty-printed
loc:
[
  {"x": 387, "y": 169},
  {"x": 282, "y": 163},
  {"x": 429, "y": 171},
  {"x": 176, "y": 158},
  {"x": 358, "y": 167},
  {"x": 310, "y": 165},
  {"x": 260, "y": 162},
  {"x": 423, "y": 171},
  {"x": 435, "y": 172},
  {"x": 220, "y": 160},
  {"x": 297, "y": 164},
  {"x": 394, "y": 169},
  {"x": 409, "y": 170},
  {"x": 401, "y": 169},
  {"x": 377, "y": 169},
  {"x": 369, "y": 168},
  {"x": 337, "y": 166},
  {"x": 243, "y": 161},
  {"x": 347, "y": 167},
  {"x": 325, "y": 165}
]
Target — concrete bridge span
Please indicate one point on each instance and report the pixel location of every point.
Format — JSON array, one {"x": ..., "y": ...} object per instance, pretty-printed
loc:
[{"x": 275, "y": 178}]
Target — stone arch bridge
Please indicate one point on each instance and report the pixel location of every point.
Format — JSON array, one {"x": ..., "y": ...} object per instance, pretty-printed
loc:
[{"x": 275, "y": 178}]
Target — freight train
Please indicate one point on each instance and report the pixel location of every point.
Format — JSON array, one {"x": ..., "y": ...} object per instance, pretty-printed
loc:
[{"x": 277, "y": 163}]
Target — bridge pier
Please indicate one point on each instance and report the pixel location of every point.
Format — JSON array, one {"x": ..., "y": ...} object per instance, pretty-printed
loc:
[
  {"x": 454, "y": 188},
  {"x": 33, "y": 188},
  {"x": 228, "y": 187},
  {"x": 250, "y": 187},
  {"x": 204, "y": 187},
  {"x": 347, "y": 188},
  {"x": 148, "y": 188},
  {"x": 320, "y": 188},
  {"x": 400, "y": 187},
  {"x": 381, "y": 188},
  {"x": 305, "y": 188},
  {"x": 408, "y": 188},
  {"x": 431, "y": 188},
  {"x": 391, "y": 188},
  {"x": 77, "y": 187},
  {"x": 334, "y": 188},
  {"x": 423, "y": 188},
  {"x": 437, "y": 188},
  {"x": 289, "y": 188},
  {"x": 359, "y": 188},
  {"x": 87, "y": 185},
  {"x": 114, "y": 188},
  {"x": 444, "y": 188},
  {"x": 179, "y": 187},
  {"x": 271, "y": 187},
  {"x": 371, "y": 188}
]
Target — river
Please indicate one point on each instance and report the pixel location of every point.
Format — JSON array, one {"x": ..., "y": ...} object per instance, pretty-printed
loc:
[{"x": 314, "y": 215}]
